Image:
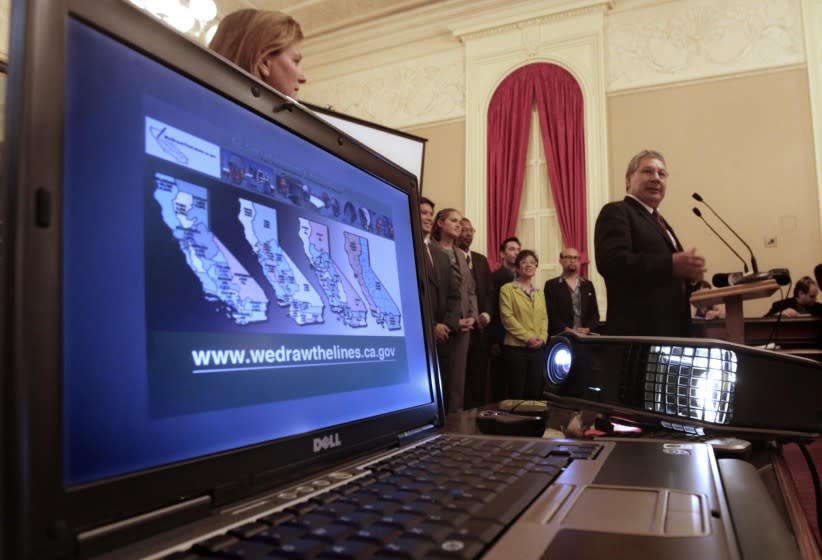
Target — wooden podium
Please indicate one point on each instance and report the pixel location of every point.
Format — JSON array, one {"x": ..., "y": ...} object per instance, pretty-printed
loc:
[{"x": 732, "y": 297}]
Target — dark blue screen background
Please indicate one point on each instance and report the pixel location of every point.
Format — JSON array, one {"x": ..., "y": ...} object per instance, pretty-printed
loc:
[{"x": 113, "y": 422}]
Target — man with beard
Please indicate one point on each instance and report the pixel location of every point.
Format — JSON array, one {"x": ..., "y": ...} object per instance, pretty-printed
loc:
[
  {"x": 647, "y": 273},
  {"x": 571, "y": 299}
]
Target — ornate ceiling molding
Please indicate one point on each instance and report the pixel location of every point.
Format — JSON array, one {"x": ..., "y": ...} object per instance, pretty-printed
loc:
[
  {"x": 539, "y": 13},
  {"x": 427, "y": 89},
  {"x": 686, "y": 41}
]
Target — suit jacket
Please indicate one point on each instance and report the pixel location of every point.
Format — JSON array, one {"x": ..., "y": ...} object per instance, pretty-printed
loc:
[
  {"x": 468, "y": 288},
  {"x": 482, "y": 281},
  {"x": 781, "y": 305},
  {"x": 499, "y": 278},
  {"x": 444, "y": 289},
  {"x": 633, "y": 254},
  {"x": 561, "y": 308}
]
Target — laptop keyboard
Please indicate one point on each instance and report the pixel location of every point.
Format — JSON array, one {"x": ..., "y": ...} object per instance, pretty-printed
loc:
[{"x": 450, "y": 497}]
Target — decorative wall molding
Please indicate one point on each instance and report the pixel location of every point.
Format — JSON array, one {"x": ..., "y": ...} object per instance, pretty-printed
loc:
[
  {"x": 409, "y": 69},
  {"x": 428, "y": 89},
  {"x": 677, "y": 41},
  {"x": 484, "y": 26}
]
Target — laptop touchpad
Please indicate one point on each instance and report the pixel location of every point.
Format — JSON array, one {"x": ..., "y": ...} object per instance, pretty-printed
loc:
[{"x": 638, "y": 511}]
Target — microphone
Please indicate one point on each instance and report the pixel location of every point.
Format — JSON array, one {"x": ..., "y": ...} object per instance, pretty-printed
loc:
[
  {"x": 753, "y": 259},
  {"x": 723, "y": 279},
  {"x": 744, "y": 264}
]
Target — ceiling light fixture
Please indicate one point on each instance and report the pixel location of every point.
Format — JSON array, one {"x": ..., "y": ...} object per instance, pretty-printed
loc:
[{"x": 195, "y": 18}]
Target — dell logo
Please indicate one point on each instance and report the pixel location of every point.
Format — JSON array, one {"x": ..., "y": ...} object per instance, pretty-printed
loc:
[{"x": 327, "y": 442}]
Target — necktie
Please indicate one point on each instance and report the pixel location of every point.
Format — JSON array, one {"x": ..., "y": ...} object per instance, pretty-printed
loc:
[
  {"x": 664, "y": 227},
  {"x": 429, "y": 261},
  {"x": 661, "y": 222},
  {"x": 468, "y": 261}
]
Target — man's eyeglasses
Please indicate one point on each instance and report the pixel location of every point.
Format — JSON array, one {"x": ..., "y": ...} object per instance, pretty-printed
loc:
[{"x": 570, "y": 257}]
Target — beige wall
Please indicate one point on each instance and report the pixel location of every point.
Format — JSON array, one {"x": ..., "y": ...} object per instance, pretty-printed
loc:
[
  {"x": 443, "y": 175},
  {"x": 745, "y": 144},
  {"x": 5, "y": 15}
]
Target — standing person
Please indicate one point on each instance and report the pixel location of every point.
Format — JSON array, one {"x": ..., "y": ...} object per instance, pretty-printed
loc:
[
  {"x": 443, "y": 287},
  {"x": 525, "y": 318},
  {"x": 508, "y": 251},
  {"x": 264, "y": 43},
  {"x": 476, "y": 369},
  {"x": 571, "y": 299},
  {"x": 647, "y": 273},
  {"x": 446, "y": 231}
]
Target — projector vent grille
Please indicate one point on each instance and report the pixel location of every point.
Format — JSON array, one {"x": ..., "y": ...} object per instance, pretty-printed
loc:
[{"x": 691, "y": 382}]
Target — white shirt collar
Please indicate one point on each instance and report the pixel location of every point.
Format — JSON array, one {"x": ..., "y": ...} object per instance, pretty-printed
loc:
[{"x": 648, "y": 208}]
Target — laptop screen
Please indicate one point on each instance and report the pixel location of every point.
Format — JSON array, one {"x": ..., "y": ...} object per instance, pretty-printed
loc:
[{"x": 225, "y": 281}]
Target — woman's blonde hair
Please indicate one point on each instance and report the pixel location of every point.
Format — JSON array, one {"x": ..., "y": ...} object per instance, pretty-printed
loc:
[{"x": 246, "y": 36}]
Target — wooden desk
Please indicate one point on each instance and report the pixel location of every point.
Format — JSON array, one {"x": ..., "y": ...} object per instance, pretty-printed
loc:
[
  {"x": 799, "y": 522},
  {"x": 796, "y": 335}
]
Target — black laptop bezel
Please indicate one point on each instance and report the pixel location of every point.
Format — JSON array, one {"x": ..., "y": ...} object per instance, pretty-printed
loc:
[{"x": 42, "y": 518}]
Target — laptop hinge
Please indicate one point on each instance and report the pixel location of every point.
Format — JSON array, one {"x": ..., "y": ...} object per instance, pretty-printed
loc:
[
  {"x": 415, "y": 434},
  {"x": 107, "y": 537}
]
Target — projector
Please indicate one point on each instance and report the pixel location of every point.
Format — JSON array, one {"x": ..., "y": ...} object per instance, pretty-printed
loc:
[{"x": 694, "y": 385}]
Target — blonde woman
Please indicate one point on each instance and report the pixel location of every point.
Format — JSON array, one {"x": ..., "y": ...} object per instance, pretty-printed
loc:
[
  {"x": 264, "y": 43},
  {"x": 525, "y": 319}
]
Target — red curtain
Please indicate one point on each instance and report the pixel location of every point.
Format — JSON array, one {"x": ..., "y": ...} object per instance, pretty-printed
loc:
[
  {"x": 558, "y": 99},
  {"x": 509, "y": 118}
]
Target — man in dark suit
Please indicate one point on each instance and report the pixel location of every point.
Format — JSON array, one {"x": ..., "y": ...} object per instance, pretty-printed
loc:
[
  {"x": 571, "y": 299},
  {"x": 508, "y": 251},
  {"x": 476, "y": 371},
  {"x": 647, "y": 273}
]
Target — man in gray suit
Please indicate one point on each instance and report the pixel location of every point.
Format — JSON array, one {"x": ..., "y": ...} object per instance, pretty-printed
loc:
[{"x": 647, "y": 273}]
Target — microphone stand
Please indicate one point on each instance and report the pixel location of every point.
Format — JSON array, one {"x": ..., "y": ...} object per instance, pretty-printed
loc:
[
  {"x": 697, "y": 197},
  {"x": 744, "y": 264}
]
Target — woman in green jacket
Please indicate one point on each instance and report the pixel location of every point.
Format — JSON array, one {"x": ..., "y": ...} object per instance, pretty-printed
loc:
[{"x": 525, "y": 319}]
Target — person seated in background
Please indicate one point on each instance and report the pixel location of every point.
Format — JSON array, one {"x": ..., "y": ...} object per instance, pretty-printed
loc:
[
  {"x": 707, "y": 311},
  {"x": 571, "y": 299},
  {"x": 803, "y": 301}
]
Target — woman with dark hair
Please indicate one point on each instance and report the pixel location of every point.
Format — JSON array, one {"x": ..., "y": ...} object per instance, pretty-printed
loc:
[
  {"x": 524, "y": 316},
  {"x": 445, "y": 232},
  {"x": 264, "y": 43}
]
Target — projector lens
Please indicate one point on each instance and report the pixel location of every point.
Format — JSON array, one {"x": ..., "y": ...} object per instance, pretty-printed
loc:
[{"x": 560, "y": 360}]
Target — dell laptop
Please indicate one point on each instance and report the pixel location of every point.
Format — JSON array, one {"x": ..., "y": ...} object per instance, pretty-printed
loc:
[{"x": 206, "y": 354}]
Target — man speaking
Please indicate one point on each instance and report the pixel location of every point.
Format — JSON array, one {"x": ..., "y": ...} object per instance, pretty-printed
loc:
[{"x": 648, "y": 275}]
